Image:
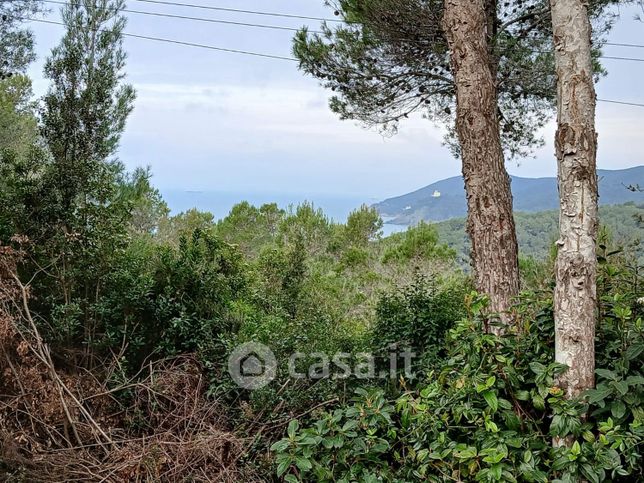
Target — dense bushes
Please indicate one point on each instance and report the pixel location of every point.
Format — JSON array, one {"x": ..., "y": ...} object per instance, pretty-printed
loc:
[
  {"x": 417, "y": 317},
  {"x": 420, "y": 243},
  {"x": 118, "y": 293},
  {"x": 488, "y": 413},
  {"x": 166, "y": 300}
]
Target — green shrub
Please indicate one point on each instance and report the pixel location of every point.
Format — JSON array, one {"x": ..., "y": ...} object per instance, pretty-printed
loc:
[
  {"x": 417, "y": 317},
  {"x": 418, "y": 243},
  {"x": 490, "y": 413},
  {"x": 348, "y": 444},
  {"x": 166, "y": 300}
]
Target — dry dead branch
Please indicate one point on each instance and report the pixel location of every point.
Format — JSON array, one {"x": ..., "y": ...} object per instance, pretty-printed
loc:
[{"x": 59, "y": 427}]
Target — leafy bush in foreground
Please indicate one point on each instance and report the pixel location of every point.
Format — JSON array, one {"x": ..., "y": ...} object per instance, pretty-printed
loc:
[
  {"x": 417, "y": 317},
  {"x": 490, "y": 413}
]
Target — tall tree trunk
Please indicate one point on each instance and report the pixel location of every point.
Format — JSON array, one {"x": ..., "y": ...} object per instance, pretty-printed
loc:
[
  {"x": 576, "y": 147},
  {"x": 490, "y": 222}
]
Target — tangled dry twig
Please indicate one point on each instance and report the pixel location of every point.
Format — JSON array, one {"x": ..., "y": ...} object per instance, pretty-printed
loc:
[{"x": 57, "y": 426}]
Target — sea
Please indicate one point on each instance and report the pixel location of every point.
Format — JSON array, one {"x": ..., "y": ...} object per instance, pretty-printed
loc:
[{"x": 336, "y": 207}]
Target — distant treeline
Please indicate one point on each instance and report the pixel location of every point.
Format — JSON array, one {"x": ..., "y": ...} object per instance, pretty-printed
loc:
[{"x": 537, "y": 232}]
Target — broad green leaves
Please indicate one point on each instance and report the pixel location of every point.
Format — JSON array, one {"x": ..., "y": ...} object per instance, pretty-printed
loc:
[{"x": 488, "y": 413}]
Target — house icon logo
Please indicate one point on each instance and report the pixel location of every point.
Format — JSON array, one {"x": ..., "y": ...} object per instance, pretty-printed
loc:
[{"x": 252, "y": 365}]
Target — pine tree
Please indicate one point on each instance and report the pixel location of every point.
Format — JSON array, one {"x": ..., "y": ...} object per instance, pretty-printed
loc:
[
  {"x": 575, "y": 298},
  {"x": 490, "y": 222},
  {"x": 484, "y": 69}
]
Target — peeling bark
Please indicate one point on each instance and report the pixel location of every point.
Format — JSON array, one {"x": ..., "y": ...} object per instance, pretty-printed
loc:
[
  {"x": 490, "y": 221},
  {"x": 576, "y": 148}
]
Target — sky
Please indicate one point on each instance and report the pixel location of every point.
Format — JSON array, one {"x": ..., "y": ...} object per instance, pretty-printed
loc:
[{"x": 223, "y": 122}]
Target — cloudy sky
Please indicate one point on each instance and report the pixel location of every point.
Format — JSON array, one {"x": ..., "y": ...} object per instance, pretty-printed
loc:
[{"x": 215, "y": 121}]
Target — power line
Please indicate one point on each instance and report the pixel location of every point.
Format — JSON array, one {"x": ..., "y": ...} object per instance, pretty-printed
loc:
[
  {"x": 236, "y": 10},
  {"x": 198, "y": 19},
  {"x": 257, "y": 54},
  {"x": 290, "y": 29},
  {"x": 304, "y": 17},
  {"x": 632, "y": 59},
  {"x": 624, "y": 103},
  {"x": 609, "y": 57},
  {"x": 180, "y": 42},
  {"x": 618, "y": 44},
  {"x": 282, "y": 15}
]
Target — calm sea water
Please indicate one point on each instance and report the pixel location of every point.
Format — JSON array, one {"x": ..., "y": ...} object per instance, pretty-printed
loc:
[{"x": 219, "y": 204}]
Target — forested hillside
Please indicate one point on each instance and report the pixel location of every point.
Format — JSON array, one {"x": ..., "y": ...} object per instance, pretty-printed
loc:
[
  {"x": 445, "y": 199},
  {"x": 537, "y": 232},
  {"x": 172, "y": 297}
]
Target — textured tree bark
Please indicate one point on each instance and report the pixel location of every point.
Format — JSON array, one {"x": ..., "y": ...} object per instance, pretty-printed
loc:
[
  {"x": 576, "y": 147},
  {"x": 490, "y": 222}
]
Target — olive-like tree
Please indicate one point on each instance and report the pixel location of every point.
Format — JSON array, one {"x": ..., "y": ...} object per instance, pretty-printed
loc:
[
  {"x": 88, "y": 103},
  {"x": 83, "y": 117},
  {"x": 16, "y": 41}
]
